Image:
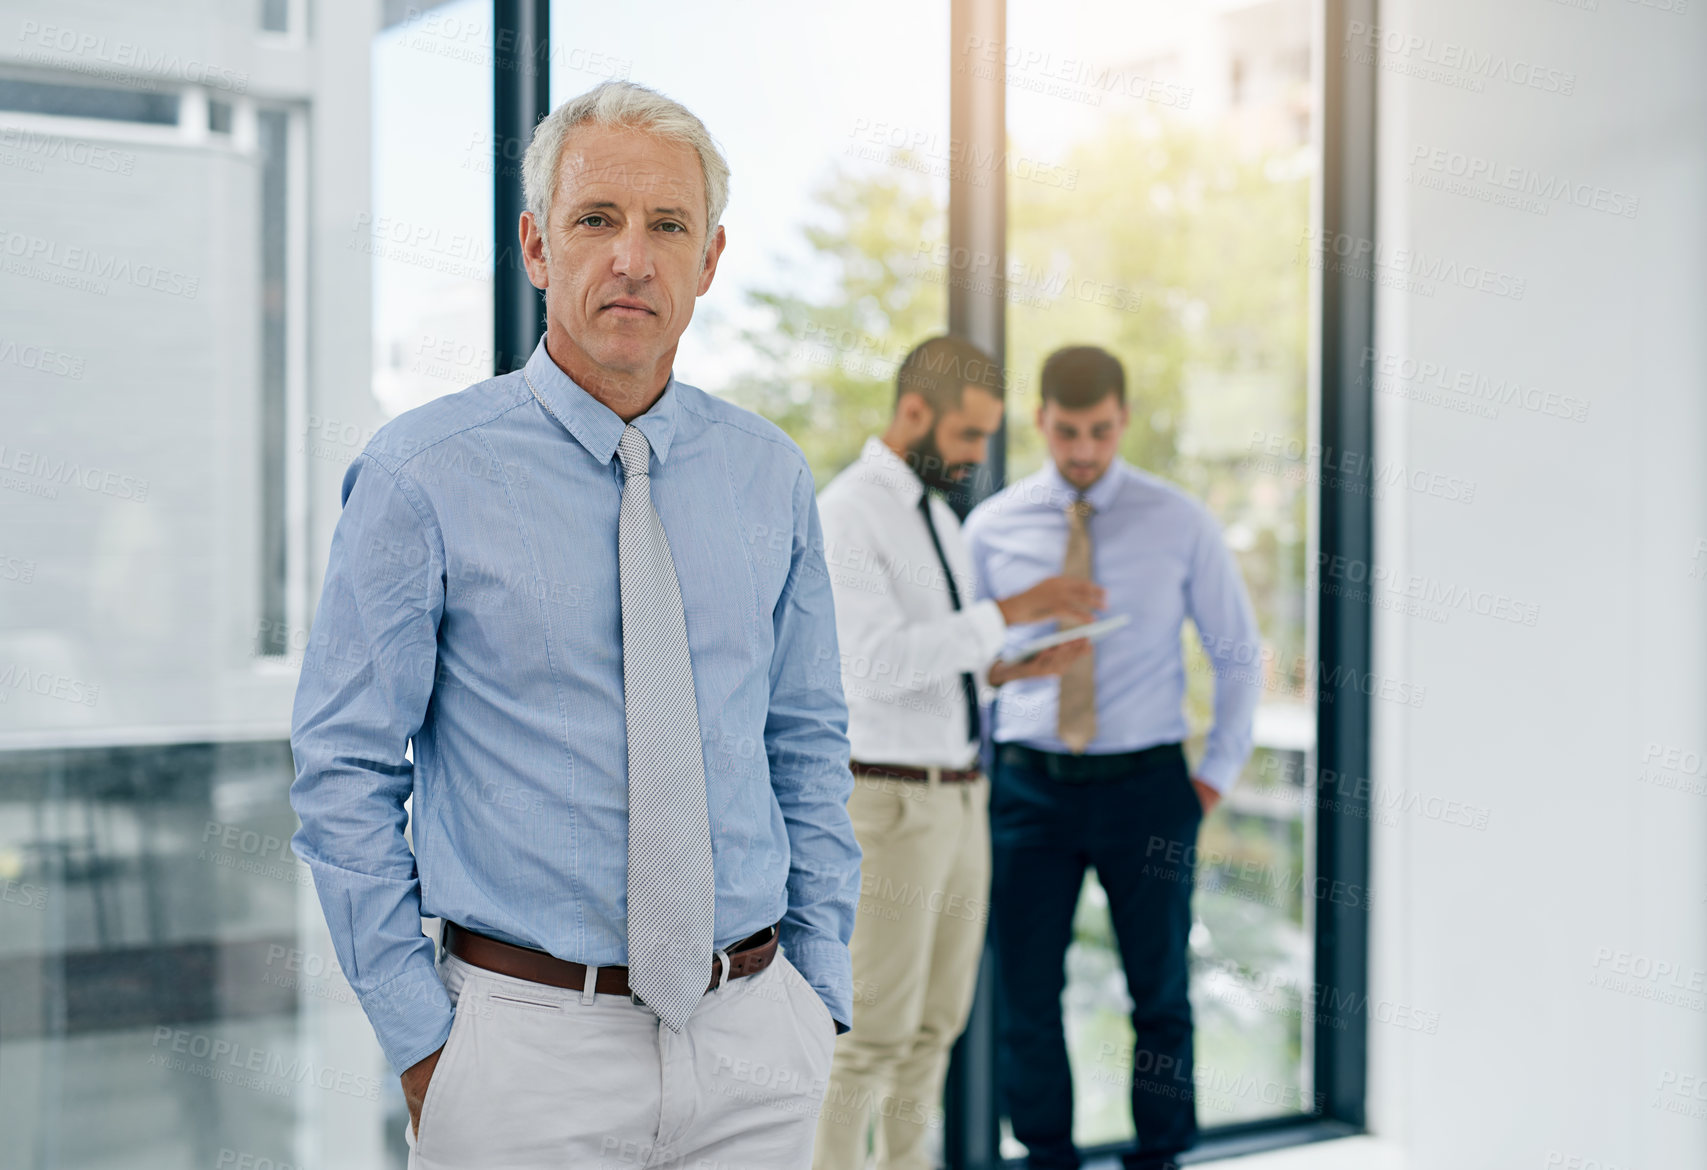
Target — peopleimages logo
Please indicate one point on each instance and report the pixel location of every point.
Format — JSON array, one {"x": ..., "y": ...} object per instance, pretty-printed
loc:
[
  {"x": 127, "y": 55},
  {"x": 1409, "y": 268},
  {"x": 1348, "y": 576},
  {"x": 19, "y": 569},
  {"x": 41, "y": 358},
  {"x": 1464, "y": 388},
  {"x": 23, "y": 252},
  {"x": 970, "y": 161},
  {"x": 50, "y": 472},
  {"x": 76, "y": 151},
  {"x": 1351, "y": 470},
  {"x": 273, "y": 1072},
  {"x": 1414, "y": 54},
  {"x": 1073, "y": 78},
  {"x": 1523, "y": 180},
  {"x": 22, "y": 680},
  {"x": 1018, "y": 282}
]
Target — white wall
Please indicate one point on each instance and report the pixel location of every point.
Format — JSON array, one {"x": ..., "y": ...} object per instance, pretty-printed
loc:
[
  {"x": 131, "y": 588},
  {"x": 1600, "y": 523}
]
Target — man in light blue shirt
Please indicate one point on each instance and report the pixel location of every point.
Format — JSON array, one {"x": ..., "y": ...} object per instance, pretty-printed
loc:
[
  {"x": 475, "y": 607},
  {"x": 1088, "y": 767}
]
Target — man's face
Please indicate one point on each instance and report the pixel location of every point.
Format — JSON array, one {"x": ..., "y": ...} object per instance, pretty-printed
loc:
[
  {"x": 958, "y": 440},
  {"x": 1083, "y": 442},
  {"x": 627, "y": 231}
]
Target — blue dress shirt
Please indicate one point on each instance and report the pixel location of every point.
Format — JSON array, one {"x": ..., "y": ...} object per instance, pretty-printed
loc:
[
  {"x": 471, "y": 605},
  {"x": 1160, "y": 556}
]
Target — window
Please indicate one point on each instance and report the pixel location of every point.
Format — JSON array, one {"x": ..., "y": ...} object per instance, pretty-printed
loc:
[
  {"x": 1156, "y": 191},
  {"x": 429, "y": 236},
  {"x": 88, "y": 101},
  {"x": 158, "y": 1002},
  {"x": 154, "y": 325},
  {"x": 275, "y": 15},
  {"x": 1154, "y": 167},
  {"x": 273, "y": 132}
]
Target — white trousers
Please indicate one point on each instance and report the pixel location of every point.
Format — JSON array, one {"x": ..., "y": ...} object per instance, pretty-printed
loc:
[{"x": 536, "y": 1076}]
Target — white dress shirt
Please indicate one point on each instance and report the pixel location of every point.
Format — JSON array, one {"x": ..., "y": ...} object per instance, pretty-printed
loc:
[{"x": 903, "y": 645}]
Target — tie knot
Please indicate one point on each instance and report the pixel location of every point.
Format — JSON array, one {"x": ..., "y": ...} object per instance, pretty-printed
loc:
[
  {"x": 1080, "y": 508},
  {"x": 635, "y": 452}
]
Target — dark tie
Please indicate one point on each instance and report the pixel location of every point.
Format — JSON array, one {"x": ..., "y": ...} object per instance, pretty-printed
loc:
[{"x": 973, "y": 729}]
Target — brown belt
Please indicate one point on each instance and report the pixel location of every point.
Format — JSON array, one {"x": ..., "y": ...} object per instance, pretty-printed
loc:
[
  {"x": 903, "y": 772},
  {"x": 747, "y": 957}
]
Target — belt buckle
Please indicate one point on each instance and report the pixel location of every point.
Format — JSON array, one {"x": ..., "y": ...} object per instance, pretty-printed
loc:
[{"x": 634, "y": 998}]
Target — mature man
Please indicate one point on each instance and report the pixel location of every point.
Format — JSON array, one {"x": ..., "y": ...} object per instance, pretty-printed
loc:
[
  {"x": 912, "y": 659},
  {"x": 630, "y": 755},
  {"x": 1088, "y": 768}
]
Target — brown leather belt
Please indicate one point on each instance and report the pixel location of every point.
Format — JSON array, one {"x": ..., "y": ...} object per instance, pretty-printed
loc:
[
  {"x": 747, "y": 957},
  {"x": 904, "y": 772}
]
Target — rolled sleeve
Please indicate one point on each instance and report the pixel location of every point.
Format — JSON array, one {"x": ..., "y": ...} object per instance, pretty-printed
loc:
[
  {"x": 991, "y": 631},
  {"x": 988, "y": 627},
  {"x": 366, "y": 681},
  {"x": 992, "y": 625}
]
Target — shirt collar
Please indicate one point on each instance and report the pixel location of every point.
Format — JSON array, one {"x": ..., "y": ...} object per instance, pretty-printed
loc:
[
  {"x": 1102, "y": 493},
  {"x": 596, "y": 426},
  {"x": 879, "y": 465}
]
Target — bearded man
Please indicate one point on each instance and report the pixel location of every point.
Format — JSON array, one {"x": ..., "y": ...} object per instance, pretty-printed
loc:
[{"x": 914, "y": 660}]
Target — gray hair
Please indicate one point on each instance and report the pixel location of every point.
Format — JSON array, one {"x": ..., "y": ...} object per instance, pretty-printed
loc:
[{"x": 621, "y": 103}]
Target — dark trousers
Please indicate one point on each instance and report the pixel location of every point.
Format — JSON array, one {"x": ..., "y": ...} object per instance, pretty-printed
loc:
[{"x": 1134, "y": 817}]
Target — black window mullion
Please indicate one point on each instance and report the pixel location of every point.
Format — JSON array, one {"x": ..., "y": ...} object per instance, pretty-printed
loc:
[
  {"x": 521, "y": 96},
  {"x": 977, "y": 311},
  {"x": 1346, "y": 529}
]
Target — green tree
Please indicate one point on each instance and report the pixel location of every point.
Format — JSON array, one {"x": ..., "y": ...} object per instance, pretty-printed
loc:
[
  {"x": 1176, "y": 249},
  {"x": 827, "y": 366},
  {"x": 1176, "y": 252}
]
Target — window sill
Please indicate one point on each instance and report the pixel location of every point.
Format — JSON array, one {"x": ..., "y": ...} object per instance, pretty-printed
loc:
[
  {"x": 1310, "y": 1146},
  {"x": 1358, "y": 1152}
]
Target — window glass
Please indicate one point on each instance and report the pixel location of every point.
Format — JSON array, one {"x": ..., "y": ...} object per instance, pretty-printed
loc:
[
  {"x": 179, "y": 407},
  {"x": 1159, "y": 177},
  {"x": 430, "y": 234}
]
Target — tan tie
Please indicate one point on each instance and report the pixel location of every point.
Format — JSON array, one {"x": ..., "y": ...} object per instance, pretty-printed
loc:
[{"x": 1076, "y": 719}]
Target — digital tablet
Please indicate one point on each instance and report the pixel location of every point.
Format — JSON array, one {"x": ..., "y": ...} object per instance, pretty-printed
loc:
[{"x": 1095, "y": 631}]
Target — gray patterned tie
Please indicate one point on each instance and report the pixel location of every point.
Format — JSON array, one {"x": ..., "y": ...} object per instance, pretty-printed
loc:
[{"x": 670, "y": 885}]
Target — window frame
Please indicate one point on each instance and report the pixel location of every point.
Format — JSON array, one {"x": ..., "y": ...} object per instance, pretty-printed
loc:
[
  {"x": 1341, "y": 417},
  {"x": 521, "y": 96},
  {"x": 285, "y": 504}
]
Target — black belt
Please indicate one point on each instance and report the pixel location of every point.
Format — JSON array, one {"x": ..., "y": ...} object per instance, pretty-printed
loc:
[
  {"x": 1107, "y": 766},
  {"x": 907, "y": 772}
]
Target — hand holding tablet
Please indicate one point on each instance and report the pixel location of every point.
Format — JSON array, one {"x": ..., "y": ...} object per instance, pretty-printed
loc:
[{"x": 1095, "y": 631}]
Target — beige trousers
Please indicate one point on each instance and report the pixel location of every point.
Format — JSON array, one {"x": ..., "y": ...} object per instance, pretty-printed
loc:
[
  {"x": 924, "y": 902},
  {"x": 536, "y": 1076}
]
